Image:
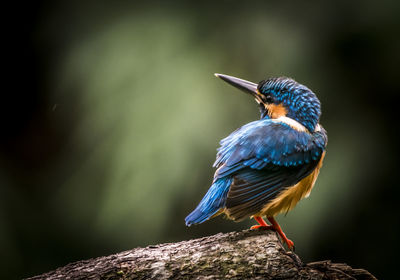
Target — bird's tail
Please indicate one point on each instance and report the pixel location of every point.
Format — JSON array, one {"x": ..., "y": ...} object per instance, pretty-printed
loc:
[{"x": 213, "y": 201}]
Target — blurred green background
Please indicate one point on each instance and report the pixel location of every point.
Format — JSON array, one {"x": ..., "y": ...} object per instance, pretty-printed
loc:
[{"x": 113, "y": 118}]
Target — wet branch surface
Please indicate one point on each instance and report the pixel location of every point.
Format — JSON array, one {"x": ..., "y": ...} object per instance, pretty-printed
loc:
[{"x": 249, "y": 254}]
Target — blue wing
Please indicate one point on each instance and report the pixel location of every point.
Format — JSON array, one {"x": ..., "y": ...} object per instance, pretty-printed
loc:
[
  {"x": 264, "y": 157},
  {"x": 267, "y": 142},
  {"x": 254, "y": 164}
]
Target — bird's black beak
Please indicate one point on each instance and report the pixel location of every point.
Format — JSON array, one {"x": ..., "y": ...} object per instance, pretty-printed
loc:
[{"x": 243, "y": 85}]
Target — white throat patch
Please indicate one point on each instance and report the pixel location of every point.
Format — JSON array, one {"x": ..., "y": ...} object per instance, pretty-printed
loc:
[{"x": 292, "y": 123}]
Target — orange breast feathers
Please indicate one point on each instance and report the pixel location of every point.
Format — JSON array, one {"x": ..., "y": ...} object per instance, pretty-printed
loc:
[
  {"x": 276, "y": 111},
  {"x": 288, "y": 198}
]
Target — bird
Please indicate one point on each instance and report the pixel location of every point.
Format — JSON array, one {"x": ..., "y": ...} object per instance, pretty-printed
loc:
[{"x": 267, "y": 166}]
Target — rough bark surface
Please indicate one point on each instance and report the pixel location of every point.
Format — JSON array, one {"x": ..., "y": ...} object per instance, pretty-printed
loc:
[{"x": 249, "y": 254}]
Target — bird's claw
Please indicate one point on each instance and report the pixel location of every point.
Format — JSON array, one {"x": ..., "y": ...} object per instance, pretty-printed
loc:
[{"x": 289, "y": 243}]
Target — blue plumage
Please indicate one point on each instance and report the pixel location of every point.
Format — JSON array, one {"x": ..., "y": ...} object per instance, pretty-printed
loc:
[
  {"x": 259, "y": 161},
  {"x": 213, "y": 201},
  {"x": 269, "y": 141}
]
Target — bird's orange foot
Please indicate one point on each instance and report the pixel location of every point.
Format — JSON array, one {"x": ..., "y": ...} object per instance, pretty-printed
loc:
[
  {"x": 289, "y": 243},
  {"x": 262, "y": 226},
  {"x": 278, "y": 229},
  {"x": 262, "y": 223}
]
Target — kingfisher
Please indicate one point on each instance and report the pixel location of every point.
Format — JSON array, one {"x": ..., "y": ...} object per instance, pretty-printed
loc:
[{"x": 267, "y": 166}]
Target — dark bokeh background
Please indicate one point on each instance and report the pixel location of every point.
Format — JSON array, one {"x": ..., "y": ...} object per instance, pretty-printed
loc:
[{"x": 111, "y": 117}]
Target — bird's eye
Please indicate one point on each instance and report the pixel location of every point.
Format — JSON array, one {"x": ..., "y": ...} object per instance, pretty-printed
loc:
[{"x": 268, "y": 99}]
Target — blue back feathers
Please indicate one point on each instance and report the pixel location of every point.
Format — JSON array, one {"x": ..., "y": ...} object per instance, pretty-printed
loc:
[
  {"x": 267, "y": 142},
  {"x": 264, "y": 157}
]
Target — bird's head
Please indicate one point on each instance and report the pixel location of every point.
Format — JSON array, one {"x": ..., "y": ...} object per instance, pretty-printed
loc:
[{"x": 282, "y": 97}]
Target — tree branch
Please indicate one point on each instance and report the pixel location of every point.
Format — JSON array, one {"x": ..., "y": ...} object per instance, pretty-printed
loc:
[{"x": 249, "y": 254}]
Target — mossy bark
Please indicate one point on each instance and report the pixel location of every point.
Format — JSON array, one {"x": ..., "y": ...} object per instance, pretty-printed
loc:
[{"x": 249, "y": 254}]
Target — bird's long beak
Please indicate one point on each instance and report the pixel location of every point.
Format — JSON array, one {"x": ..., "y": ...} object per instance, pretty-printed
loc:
[{"x": 243, "y": 85}]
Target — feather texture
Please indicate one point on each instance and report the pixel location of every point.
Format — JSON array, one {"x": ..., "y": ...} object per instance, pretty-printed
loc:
[
  {"x": 255, "y": 163},
  {"x": 211, "y": 203}
]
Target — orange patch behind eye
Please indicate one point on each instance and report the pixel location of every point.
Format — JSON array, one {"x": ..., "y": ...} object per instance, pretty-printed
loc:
[{"x": 276, "y": 111}]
